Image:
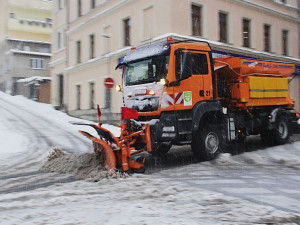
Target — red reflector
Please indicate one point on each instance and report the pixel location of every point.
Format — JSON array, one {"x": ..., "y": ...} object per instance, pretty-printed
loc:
[
  {"x": 133, "y": 48},
  {"x": 123, "y": 126},
  {"x": 297, "y": 115},
  {"x": 169, "y": 39},
  {"x": 128, "y": 113}
]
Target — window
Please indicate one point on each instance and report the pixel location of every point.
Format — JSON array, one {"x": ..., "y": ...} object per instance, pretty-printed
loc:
[
  {"x": 285, "y": 35},
  {"x": 196, "y": 20},
  {"x": 188, "y": 64},
  {"x": 58, "y": 40},
  {"x": 92, "y": 95},
  {"x": 92, "y": 46},
  {"x": 11, "y": 15},
  {"x": 267, "y": 41},
  {"x": 223, "y": 33},
  {"x": 126, "y": 25},
  {"x": 246, "y": 33},
  {"x": 48, "y": 20},
  {"x": 79, "y": 8},
  {"x": 147, "y": 70},
  {"x": 78, "y": 47},
  {"x": 93, "y": 4},
  {"x": 284, "y": 1},
  {"x": 36, "y": 63},
  {"x": 78, "y": 96},
  {"x": 60, "y": 90}
]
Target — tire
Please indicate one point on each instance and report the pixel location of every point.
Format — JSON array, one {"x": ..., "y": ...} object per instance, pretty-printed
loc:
[
  {"x": 279, "y": 134},
  {"x": 281, "y": 130},
  {"x": 140, "y": 170},
  {"x": 161, "y": 149},
  {"x": 208, "y": 142}
]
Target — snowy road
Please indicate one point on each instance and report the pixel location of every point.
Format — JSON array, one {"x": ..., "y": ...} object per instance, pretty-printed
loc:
[{"x": 256, "y": 187}]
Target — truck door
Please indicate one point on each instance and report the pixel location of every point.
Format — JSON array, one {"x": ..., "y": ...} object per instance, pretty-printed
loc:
[{"x": 194, "y": 77}]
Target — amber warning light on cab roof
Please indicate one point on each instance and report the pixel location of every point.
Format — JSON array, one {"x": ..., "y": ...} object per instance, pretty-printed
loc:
[{"x": 170, "y": 39}]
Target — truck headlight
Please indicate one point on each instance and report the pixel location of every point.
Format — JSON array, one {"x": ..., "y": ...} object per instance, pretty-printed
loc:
[{"x": 118, "y": 88}]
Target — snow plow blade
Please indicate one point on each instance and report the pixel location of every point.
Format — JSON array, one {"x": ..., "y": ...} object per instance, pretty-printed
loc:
[
  {"x": 122, "y": 153},
  {"x": 102, "y": 148}
]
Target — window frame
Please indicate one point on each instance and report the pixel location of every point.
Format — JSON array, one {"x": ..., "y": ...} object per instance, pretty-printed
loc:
[
  {"x": 93, "y": 4},
  {"x": 223, "y": 25},
  {"x": 78, "y": 51},
  {"x": 126, "y": 31},
  {"x": 267, "y": 37},
  {"x": 246, "y": 40},
  {"x": 92, "y": 45},
  {"x": 200, "y": 17},
  {"x": 92, "y": 95},
  {"x": 79, "y": 8},
  {"x": 37, "y": 63},
  {"x": 78, "y": 96},
  {"x": 285, "y": 41}
]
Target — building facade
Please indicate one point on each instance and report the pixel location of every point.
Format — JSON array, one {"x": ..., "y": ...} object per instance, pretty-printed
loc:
[
  {"x": 91, "y": 37},
  {"x": 25, "y": 31}
]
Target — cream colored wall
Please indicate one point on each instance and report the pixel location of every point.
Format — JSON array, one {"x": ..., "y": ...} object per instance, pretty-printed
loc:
[
  {"x": 169, "y": 16},
  {"x": 35, "y": 10},
  {"x": 181, "y": 22},
  {"x": 2, "y": 18}
]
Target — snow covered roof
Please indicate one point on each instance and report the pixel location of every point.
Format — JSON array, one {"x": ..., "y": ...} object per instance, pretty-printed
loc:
[
  {"x": 34, "y": 79},
  {"x": 31, "y": 41},
  {"x": 30, "y": 52}
]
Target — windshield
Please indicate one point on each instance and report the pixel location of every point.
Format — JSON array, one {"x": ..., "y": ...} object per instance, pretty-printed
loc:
[{"x": 147, "y": 70}]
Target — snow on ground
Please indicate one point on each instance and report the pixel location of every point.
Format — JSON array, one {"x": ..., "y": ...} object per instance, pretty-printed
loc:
[
  {"x": 139, "y": 199},
  {"x": 16, "y": 142},
  {"x": 48, "y": 112},
  {"x": 136, "y": 199}
]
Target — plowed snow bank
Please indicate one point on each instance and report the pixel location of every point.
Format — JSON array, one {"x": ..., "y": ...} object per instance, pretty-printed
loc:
[{"x": 84, "y": 166}]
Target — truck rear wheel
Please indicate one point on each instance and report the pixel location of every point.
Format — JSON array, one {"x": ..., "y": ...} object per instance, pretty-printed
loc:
[
  {"x": 208, "y": 142},
  {"x": 281, "y": 130},
  {"x": 279, "y": 134}
]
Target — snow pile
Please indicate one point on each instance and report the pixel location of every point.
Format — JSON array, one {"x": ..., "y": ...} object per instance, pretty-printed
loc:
[
  {"x": 86, "y": 166},
  {"x": 279, "y": 155}
]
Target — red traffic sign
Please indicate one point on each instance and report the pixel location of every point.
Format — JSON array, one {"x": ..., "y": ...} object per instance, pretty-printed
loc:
[{"x": 109, "y": 82}]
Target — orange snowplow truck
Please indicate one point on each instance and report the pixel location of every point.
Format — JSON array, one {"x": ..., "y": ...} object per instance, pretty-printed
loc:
[{"x": 187, "y": 97}]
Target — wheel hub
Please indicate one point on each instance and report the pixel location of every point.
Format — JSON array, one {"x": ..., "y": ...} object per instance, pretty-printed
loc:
[
  {"x": 283, "y": 130},
  {"x": 212, "y": 142}
]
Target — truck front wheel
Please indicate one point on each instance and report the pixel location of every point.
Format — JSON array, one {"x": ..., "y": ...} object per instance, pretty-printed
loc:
[{"x": 207, "y": 142}]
